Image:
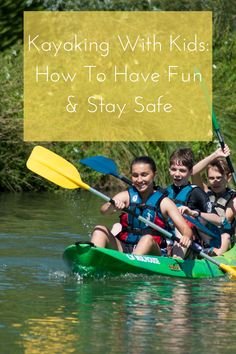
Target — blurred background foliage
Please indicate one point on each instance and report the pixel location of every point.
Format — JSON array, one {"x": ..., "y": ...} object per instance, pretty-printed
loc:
[{"x": 14, "y": 152}]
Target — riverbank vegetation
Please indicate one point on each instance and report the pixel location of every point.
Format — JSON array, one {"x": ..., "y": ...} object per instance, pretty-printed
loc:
[{"x": 14, "y": 152}]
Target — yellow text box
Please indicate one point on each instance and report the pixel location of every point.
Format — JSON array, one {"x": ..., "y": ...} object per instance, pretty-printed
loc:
[{"x": 117, "y": 76}]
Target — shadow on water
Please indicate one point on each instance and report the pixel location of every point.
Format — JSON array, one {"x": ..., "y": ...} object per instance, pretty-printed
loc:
[{"x": 44, "y": 309}]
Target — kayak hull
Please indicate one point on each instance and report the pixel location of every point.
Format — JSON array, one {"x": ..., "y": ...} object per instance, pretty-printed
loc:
[{"x": 89, "y": 260}]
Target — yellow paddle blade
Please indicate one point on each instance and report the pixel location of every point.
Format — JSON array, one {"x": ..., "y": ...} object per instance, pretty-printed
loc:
[
  {"x": 54, "y": 168},
  {"x": 229, "y": 269}
]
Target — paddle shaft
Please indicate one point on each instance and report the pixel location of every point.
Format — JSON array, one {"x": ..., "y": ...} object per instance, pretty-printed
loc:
[
  {"x": 229, "y": 162},
  {"x": 124, "y": 179}
]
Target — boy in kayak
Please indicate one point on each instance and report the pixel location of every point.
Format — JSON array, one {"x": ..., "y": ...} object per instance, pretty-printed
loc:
[
  {"x": 189, "y": 198},
  {"x": 223, "y": 198},
  {"x": 145, "y": 200}
]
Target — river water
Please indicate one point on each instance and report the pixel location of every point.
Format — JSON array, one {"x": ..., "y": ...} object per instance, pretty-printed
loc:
[{"x": 45, "y": 309}]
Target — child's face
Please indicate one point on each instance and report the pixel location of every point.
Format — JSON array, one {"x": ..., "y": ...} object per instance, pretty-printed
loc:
[
  {"x": 180, "y": 174},
  {"x": 217, "y": 181},
  {"x": 142, "y": 177}
]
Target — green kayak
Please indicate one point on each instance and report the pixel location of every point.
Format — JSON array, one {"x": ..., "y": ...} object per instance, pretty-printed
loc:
[{"x": 88, "y": 260}]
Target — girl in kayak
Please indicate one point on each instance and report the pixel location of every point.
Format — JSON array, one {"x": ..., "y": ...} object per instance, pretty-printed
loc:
[
  {"x": 145, "y": 200},
  {"x": 223, "y": 198}
]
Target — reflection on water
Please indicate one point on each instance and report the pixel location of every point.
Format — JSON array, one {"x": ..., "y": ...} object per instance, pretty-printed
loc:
[
  {"x": 134, "y": 315},
  {"x": 44, "y": 309},
  {"x": 52, "y": 334},
  {"x": 137, "y": 315}
]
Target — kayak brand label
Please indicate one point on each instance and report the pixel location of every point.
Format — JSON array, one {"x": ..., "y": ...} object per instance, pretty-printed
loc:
[
  {"x": 174, "y": 267},
  {"x": 145, "y": 259},
  {"x": 145, "y": 76}
]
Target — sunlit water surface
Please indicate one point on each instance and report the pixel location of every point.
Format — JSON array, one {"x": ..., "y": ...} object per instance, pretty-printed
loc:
[{"x": 45, "y": 309}]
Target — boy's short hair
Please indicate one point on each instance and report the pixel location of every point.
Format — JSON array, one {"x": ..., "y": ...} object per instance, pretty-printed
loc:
[
  {"x": 183, "y": 156},
  {"x": 221, "y": 165}
]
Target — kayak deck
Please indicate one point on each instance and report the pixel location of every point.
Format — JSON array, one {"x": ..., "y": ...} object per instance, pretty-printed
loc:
[{"x": 86, "y": 259}]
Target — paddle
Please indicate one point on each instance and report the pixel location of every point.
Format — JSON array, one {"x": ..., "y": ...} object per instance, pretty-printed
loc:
[
  {"x": 216, "y": 126},
  {"x": 104, "y": 165},
  {"x": 222, "y": 144},
  {"x": 61, "y": 172}
]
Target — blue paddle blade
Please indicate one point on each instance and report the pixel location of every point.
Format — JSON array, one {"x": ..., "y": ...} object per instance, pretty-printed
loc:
[
  {"x": 101, "y": 164},
  {"x": 104, "y": 165}
]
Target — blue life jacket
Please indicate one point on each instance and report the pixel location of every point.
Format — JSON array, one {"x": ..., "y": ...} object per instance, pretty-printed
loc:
[
  {"x": 182, "y": 197},
  {"x": 132, "y": 228}
]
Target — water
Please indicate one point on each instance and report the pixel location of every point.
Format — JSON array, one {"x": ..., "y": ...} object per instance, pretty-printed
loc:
[{"x": 45, "y": 309}]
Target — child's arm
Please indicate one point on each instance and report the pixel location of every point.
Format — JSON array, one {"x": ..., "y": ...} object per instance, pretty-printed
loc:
[{"x": 201, "y": 165}]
